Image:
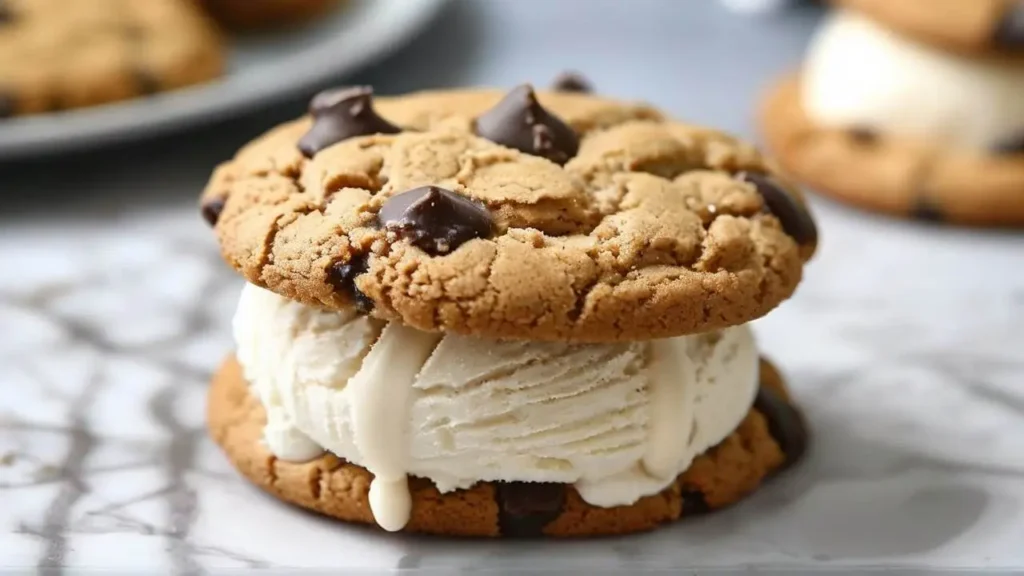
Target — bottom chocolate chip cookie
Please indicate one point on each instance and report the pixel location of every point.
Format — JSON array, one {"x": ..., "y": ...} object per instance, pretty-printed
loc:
[
  {"x": 902, "y": 176},
  {"x": 772, "y": 436}
]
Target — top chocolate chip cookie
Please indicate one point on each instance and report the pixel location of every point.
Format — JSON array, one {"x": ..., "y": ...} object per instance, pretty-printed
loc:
[
  {"x": 57, "y": 54},
  {"x": 552, "y": 216},
  {"x": 970, "y": 26}
]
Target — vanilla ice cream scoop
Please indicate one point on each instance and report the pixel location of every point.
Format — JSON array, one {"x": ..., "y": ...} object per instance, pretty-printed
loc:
[
  {"x": 619, "y": 421},
  {"x": 860, "y": 74}
]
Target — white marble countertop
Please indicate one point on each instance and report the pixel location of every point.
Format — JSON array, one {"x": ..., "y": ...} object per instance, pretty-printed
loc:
[{"x": 905, "y": 345}]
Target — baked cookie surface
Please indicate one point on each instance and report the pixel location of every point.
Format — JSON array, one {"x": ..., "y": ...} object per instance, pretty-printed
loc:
[
  {"x": 561, "y": 216},
  {"x": 967, "y": 26},
  {"x": 264, "y": 14},
  {"x": 58, "y": 54},
  {"x": 772, "y": 436},
  {"x": 903, "y": 176}
]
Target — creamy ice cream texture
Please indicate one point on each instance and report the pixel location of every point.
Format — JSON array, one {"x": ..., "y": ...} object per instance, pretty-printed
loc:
[
  {"x": 619, "y": 421},
  {"x": 858, "y": 73}
]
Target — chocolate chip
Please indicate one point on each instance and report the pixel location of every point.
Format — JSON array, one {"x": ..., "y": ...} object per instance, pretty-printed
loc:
[
  {"x": 1012, "y": 145},
  {"x": 340, "y": 114},
  {"x": 212, "y": 208},
  {"x": 435, "y": 219},
  {"x": 524, "y": 508},
  {"x": 785, "y": 423},
  {"x": 863, "y": 135},
  {"x": 342, "y": 275},
  {"x": 147, "y": 82},
  {"x": 520, "y": 122},
  {"x": 927, "y": 210},
  {"x": 6, "y": 14},
  {"x": 795, "y": 219},
  {"x": 571, "y": 82},
  {"x": 694, "y": 503},
  {"x": 7, "y": 105},
  {"x": 1009, "y": 33}
]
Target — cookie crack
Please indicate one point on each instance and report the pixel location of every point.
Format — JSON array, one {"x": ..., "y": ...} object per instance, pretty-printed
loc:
[{"x": 581, "y": 299}]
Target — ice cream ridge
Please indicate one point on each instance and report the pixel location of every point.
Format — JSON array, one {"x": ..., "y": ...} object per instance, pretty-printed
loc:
[
  {"x": 910, "y": 107},
  {"x": 504, "y": 313}
]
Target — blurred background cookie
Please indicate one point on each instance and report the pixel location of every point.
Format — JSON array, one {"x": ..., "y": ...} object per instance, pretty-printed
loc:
[
  {"x": 264, "y": 14},
  {"x": 56, "y": 54},
  {"x": 881, "y": 120},
  {"x": 969, "y": 26}
]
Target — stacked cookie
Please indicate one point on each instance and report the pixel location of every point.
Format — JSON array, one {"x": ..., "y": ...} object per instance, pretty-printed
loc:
[
  {"x": 912, "y": 107},
  {"x": 476, "y": 313}
]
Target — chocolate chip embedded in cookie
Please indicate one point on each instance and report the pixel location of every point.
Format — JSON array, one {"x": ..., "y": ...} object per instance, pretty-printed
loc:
[
  {"x": 434, "y": 219},
  {"x": 645, "y": 231},
  {"x": 1010, "y": 145},
  {"x": 571, "y": 82},
  {"x": 1009, "y": 33},
  {"x": 56, "y": 54},
  {"x": 6, "y": 13},
  {"x": 967, "y": 26},
  {"x": 341, "y": 114},
  {"x": 525, "y": 508},
  {"x": 519, "y": 121},
  {"x": 211, "y": 209},
  {"x": 793, "y": 216},
  {"x": 342, "y": 276}
]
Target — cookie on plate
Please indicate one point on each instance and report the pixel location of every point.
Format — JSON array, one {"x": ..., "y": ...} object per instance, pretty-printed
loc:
[
  {"x": 56, "y": 54},
  {"x": 888, "y": 123},
  {"x": 478, "y": 313},
  {"x": 263, "y": 14}
]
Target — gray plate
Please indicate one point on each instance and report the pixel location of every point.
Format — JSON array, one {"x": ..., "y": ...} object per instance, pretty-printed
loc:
[{"x": 262, "y": 68}]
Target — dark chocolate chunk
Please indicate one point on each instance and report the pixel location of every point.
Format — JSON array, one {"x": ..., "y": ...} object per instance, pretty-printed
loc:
[
  {"x": 6, "y": 14},
  {"x": 524, "y": 508},
  {"x": 342, "y": 275},
  {"x": 1009, "y": 33},
  {"x": 147, "y": 82},
  {"x": 571, "y": 82},
  {"x": 863, "y": 135},
  {"x": 7, "y": 106},
  {"x": 927, "y": 210},
  {"x": 435, "y": 219},
  {"x": 795, "y": 219},
  {"x": 785, "y": 423},
  {"x": 211, "y": 210},
  {"x": 694, "y": 503},
  {"x": 1011, "y": 145},
  {"x": 340, "y": 114},
  {"x": 520, "y": 122}
]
